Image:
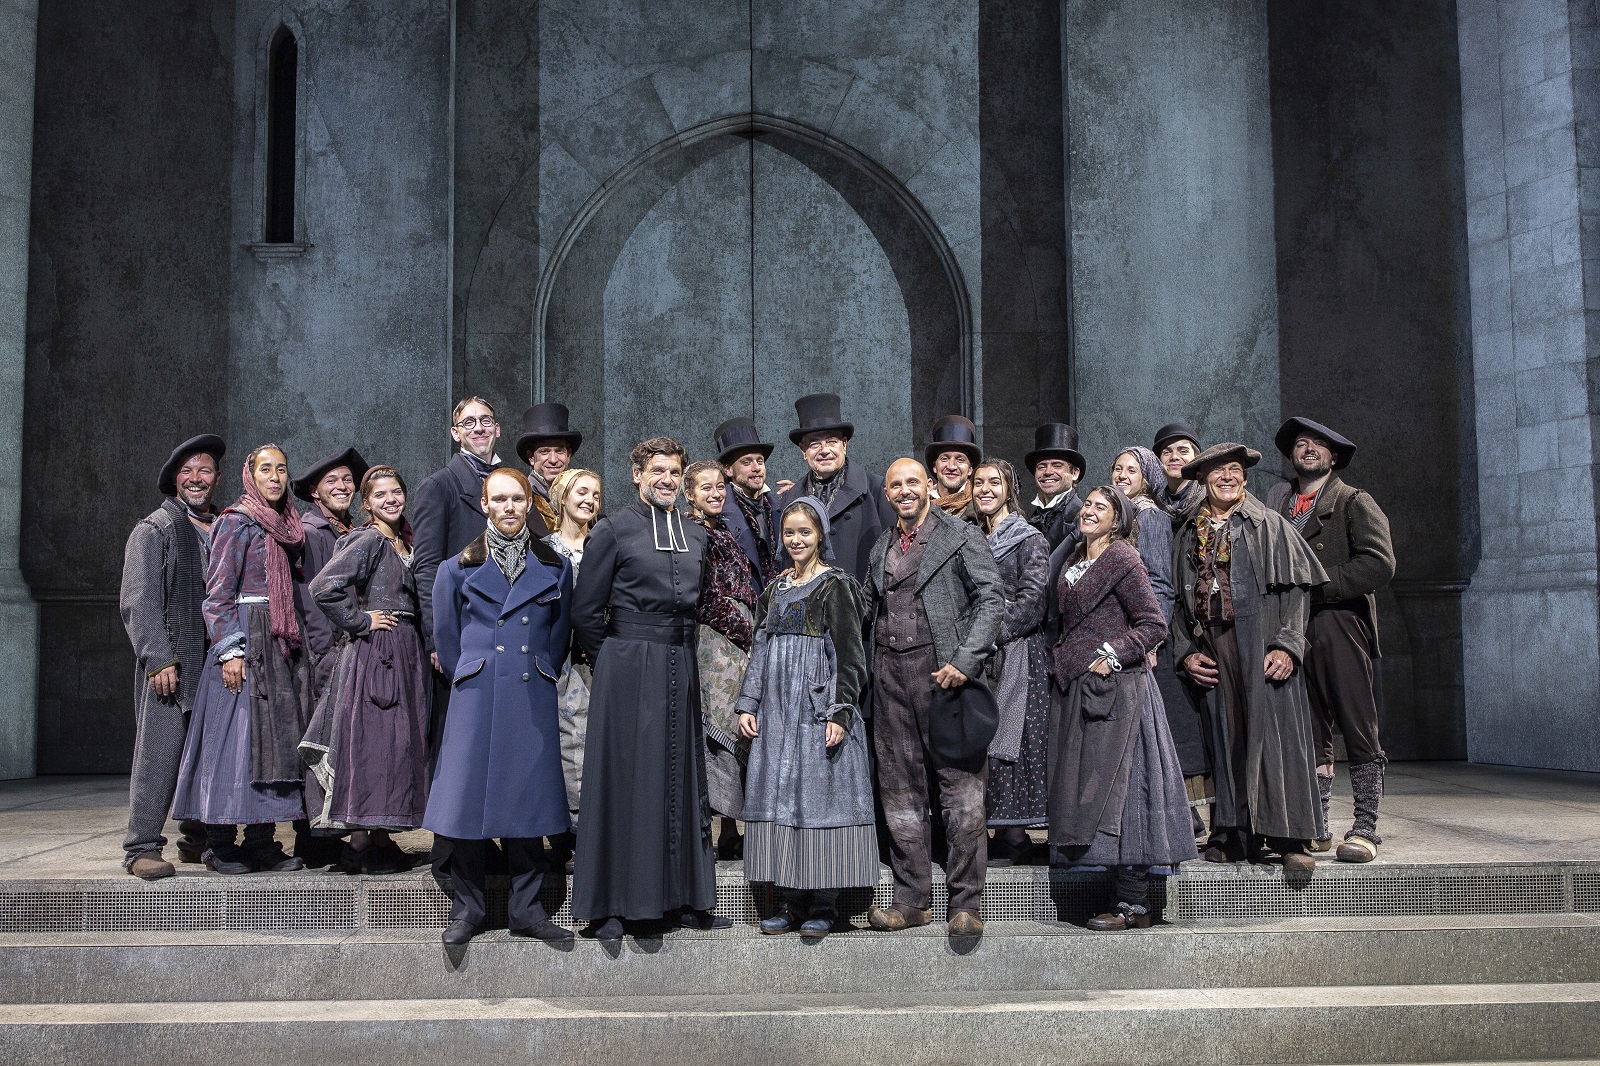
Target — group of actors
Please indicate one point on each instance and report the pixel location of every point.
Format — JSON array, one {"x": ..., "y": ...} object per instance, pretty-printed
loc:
[{"x": 853, "y": 666}]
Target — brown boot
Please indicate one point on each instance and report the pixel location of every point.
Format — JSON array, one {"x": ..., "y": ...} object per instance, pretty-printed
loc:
[
  {"x": 1298, "y": 864},
  {"x": 150, "y": 866},
  {"x": 897, "y": 916},
  {"x": 965, "y": 923},
  {"x": 1118, "y": 920}
]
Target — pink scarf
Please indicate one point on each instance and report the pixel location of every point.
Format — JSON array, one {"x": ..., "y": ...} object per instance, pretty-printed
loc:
[{"x": 284, "y": 531}]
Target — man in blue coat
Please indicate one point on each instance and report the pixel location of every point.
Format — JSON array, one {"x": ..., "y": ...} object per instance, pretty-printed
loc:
[{"x": 501, "y": 628}]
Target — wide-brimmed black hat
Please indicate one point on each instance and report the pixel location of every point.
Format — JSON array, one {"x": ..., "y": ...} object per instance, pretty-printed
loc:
[
  {"x": 737, "y": 436},
  {"x": 819, "y": 413},
  {"x": 209, "y": 443},
  {"x": 1175, "y": 431},
  {"x": 962, "y": 722},
  {"x": 307, "y": 479},
  {"x": 1055, "y": 440},
  {"x": 1342, "y": 447},
  {"x": 1226, "y": 452},
  {"x": 546, "y": 421},
  {"x": 953, "y": 433}
]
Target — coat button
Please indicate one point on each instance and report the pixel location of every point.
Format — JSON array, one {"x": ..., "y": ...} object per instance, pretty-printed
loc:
[
  {"x": 502, "y": 621},
  {"x": 524, "y": 619},
  {"x": 1319, "y": 547},
  {"x": 499, "y": 647},
  {"x": 524, "y": 649},
  {"x": 524, "y": 677}
]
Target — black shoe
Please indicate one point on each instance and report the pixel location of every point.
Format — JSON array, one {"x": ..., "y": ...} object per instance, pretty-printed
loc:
[
  {"x": 690, "y": 918},
  {"x": 318, "y": 852},
  {"x": 1004, "y": 853},
  {"x": 227, "y": 859},
  {"x": 785, "y": 921},
  {"x": 273, "y": 859},
  {"x": 372, "y": 859},
  {"x": 817, "y": 926},
  {"x": 609, "y": 929},
  {"x": 457, "y": 933},
  {"x": 730, "y": 847},
  {"x": 547, "y": 930},
  {"x": 191, "y": 851}
]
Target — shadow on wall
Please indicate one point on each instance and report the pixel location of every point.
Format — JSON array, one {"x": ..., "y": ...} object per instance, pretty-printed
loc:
[{"x": 733, "y": 267}]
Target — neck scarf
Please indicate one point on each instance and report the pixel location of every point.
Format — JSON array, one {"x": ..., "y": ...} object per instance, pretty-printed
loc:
[
  {"x": 510, "y": 554},
  {"x": 1009, "y": 535},
  {"x": 284, "y": 533},
  {"x": 540, "y": 485},
  {"x": 955, "y": 503},
  {"x": 205, "y": 518},
  {"x": 822, "y": 489},
  {"x": 1303, "y": 506},
  {"x": 479, "y": 467},
  {"x": 339, "y": 528}
]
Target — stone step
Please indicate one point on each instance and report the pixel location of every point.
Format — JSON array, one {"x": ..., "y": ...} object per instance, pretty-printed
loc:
[
  {"x": 1012, "y": 958},
  {"x": 1393, "y": 1023},
  {"x": 1204, "y": 892}
]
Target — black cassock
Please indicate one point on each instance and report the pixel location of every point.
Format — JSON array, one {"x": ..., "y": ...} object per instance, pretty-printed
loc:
[{"x": 644, "y": 838}]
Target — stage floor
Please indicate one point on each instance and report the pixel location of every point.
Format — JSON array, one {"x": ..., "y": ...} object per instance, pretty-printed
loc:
[{"x": 1433, "y": 813}]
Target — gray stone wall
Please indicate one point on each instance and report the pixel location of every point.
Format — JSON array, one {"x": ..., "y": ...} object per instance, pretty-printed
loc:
[
  {"x": 1373, "y": 315},
  {"x": 347, "y": 342},
  {"x": 1169, "y": 175},
  {"x": 1529, "y": 107},
  {"x": 128, "y": 290},
  {"x": 19, "y": 616}
]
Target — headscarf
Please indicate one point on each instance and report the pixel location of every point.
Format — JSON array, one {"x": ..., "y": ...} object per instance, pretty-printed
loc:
[
  {"x": 820, "y": 513},
  {"x": 1150, "y": 468},
  {"x": 510, "y": 554},
  {"x": 281, "y": 524}
]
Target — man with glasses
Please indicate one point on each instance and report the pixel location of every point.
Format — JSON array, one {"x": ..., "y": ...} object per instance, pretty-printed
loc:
[{"x": 858, "y": 511}]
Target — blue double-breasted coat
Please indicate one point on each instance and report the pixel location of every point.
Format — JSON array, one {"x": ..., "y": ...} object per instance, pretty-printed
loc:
[{"x": 503, "y": 646}]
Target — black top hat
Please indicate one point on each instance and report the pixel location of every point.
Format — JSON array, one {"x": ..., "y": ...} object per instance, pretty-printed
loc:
[
  {"x": 545, "y": 421},
  {"x": 953, "y": 433},
  {"x": 1342, "y": 447},
  {"x": 1055, "y": 440},
  {"x": 209, "y": 443},
  {"x": 735, "y": 437},
  {"x": 307, "y": 479},
  {"x": 1175, "y": 431},
  {"x": 819, "y": 413},
  {"x": 962, "y": 722},
  {"x": 1216, "y": 455}
]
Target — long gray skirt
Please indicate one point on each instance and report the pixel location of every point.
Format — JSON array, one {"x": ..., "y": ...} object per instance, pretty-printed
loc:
[
  {"x": 216, "y": 779},
  {"x": 1119, "y": 776}
]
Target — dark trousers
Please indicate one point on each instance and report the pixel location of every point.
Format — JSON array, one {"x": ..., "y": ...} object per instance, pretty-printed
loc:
[
  {"x": 159, "y": 732},
  {"x": 467, "y": 866},
  {"x": 902, "y": 689},
  {"x": 1339, "y": 682}
]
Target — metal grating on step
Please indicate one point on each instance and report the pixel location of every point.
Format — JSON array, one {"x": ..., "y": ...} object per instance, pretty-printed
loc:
[
  {"x": 41, "y": 912},
  {"x": 266, "y": 910},
  {"x": 1268, "y": 895},
  {"x": 1586, "y": 891},
  {"x": 120, "y": 910}
]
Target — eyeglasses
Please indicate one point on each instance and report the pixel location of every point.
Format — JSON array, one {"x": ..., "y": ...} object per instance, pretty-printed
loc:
[
  {"x": 486, "y": 421},
  {"x": 822, "y": 442}
]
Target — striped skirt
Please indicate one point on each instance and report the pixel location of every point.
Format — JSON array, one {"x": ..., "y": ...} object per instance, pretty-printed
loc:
[{"x": 842, "y": 857}]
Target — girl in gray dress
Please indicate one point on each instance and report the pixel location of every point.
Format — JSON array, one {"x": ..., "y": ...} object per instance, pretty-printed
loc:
[{"x": 808, "y": 795}]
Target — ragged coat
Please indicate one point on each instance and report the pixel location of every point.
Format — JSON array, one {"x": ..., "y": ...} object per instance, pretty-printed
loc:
[{"x": 1349, "y": 533}]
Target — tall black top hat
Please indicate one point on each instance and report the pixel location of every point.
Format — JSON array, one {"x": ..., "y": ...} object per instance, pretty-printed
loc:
[
  {"x": 1342, "y": 447},
  {"x": 819, "y": 413},
  {"x": 953, "y": 433},
  {"x": 545, "y": 421},
  {"x": 208, "y": 443},
  {"x": 1175, "y": 431},
  {"x": 1055, "y": 440},
  {"x": 737, "y": 436},
  {"x": 308, "y": 478}
]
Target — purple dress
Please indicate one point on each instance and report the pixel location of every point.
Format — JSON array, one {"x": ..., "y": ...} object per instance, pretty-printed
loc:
[
  {"x": 368, "y": 741},
  {"x": 240, "y": 763}
]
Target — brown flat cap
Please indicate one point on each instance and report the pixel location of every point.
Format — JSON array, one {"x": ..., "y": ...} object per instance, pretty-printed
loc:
[{"x": 1217, "y": 454}]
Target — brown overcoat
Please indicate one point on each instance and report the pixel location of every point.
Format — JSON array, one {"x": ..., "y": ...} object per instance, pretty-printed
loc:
[{"x": 1349, "y": 533}]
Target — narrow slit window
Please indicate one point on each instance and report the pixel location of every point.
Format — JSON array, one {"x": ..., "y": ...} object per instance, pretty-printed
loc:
[{"x": 282, "y": 77}]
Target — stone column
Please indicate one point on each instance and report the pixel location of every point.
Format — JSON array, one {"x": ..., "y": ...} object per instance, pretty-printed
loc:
[
  {"x": 1169, "y": 181},
  {"x": 19, "y": 617},
  {"x": 1531, "y": 619}
]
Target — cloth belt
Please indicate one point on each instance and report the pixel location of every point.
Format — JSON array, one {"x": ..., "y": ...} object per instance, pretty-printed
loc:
[{"x": 652, "y": 627}]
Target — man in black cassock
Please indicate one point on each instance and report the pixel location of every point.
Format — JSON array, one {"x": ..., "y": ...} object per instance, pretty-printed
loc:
[{"x": 644, "y": 841}]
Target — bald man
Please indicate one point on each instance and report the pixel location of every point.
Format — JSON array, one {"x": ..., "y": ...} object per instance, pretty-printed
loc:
[{"x": 935, "y": 603}]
